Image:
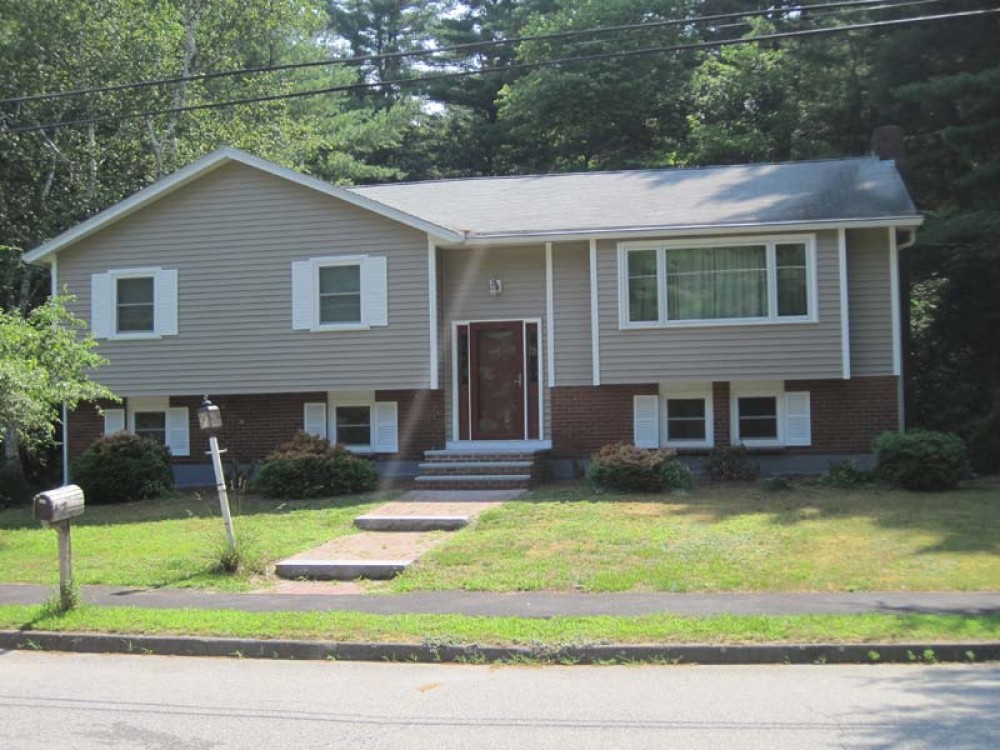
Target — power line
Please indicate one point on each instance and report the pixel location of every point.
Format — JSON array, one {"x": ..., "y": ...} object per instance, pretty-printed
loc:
[
  {"x": 470, "y": 46},
  {"x": 519, "y": 66}
]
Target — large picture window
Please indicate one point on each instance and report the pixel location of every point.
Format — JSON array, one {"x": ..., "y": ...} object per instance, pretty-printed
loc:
[{"x": 683, "y": 283}]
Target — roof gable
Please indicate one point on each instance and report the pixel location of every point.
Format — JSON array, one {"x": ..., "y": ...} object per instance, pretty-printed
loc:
[{"x": 170, "y": 184}]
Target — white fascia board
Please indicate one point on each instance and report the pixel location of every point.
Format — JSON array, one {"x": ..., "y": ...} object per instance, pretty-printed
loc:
[
  {"x": 473, "y": 239},
  {"x": 207, "y": 164}
]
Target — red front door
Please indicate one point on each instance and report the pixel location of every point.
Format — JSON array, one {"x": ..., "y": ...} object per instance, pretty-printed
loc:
[{"x": 496, "y": 365}]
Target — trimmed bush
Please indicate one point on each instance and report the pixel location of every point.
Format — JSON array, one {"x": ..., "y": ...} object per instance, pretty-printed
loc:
[
  {"x": 846, "y": 474},
  {"x": 624, "y": 467},
  {"x": 308, "y": 466},
  {"x": 730, "y": 463},
  {"x": 921, "y": 459},
  {"x": 121, "y": 468}
]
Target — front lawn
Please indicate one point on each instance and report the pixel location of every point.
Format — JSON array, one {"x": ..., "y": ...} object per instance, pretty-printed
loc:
[
  {"x": 734, "y": 537},
  {"x": 170, "y": 542}
]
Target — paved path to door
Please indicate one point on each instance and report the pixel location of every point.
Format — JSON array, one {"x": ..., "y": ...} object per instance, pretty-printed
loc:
[
  {"x": 325, "y": 597},
  {"x": 383, "y": 553}
]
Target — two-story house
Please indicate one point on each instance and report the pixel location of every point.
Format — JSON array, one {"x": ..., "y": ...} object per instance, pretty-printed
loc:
[{"x": 672, "y": 307}]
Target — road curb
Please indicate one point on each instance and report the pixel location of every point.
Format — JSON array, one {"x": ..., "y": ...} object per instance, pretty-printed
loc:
[{"x": 821, "y": 653}]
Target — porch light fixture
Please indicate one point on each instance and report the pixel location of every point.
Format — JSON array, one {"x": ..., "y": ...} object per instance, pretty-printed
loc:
[
  {"x": 209, "y": 416},
  {"x": 496, "y": 287}
]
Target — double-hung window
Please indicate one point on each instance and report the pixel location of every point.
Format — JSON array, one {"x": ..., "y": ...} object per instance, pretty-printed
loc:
[
  {"x": 715, "y": 282},
  {"x": 134, "y": 303},
  {"x": 340, "y": 293},
  {"x": 766, "y": 415}
]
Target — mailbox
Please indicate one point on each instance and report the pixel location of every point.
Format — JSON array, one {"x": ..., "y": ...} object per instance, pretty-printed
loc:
[{"x": 60, "y": 504}]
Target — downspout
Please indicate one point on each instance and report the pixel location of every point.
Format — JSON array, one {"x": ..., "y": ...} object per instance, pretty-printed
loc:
[{"x": 906, "y": 404}]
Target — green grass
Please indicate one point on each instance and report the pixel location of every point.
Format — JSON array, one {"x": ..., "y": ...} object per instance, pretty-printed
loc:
[
  {"x": 725, "y": 538},
  {"x": 172, "y": 542},
  {"x": 459, "y": 629}
]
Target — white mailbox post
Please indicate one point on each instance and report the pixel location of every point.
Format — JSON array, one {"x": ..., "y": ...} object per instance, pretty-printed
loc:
[{"x": 55, "y": 509}]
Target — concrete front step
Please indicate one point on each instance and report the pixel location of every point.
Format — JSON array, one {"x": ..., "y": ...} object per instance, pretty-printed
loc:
[
  {"x": 448, "y": 456},
  {"x": 438, "y": 468},
  {"x": 375, "y": 522},
  {"x": 340, "y": 570},
  {"x": 473, "y": 482}
]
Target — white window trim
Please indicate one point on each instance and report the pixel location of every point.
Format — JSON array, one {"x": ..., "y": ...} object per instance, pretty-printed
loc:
[
  {"x": 346, "y": 398},
  {"x": 757, "y": 390},
  {"x": 690, "y": 391},
  {"x": 770, "y": 241},
  {"x": 132, "y": 273},
  {"x": 329, "y": 262}
]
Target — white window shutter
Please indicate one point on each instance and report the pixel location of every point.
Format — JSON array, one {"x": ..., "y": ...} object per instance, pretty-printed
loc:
[
  {"x": 646, "y": 421},
  {"x": 798, "y": 421},
  {"x": 101, "y": 310},
  {"x": 114, "y": 421},
  {"x": 178, "y": 431},
  {"x": 304, "y": 302},
  {"x": 386, "y": 435},
  {"x": 314, "y": 419},
  {"x": 165, "y": 303},
  {"x": 375, "y": 291}
]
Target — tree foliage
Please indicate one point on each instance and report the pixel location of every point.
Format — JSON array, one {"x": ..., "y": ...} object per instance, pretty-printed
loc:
[
  {"x": 795, "y": 98},
  {"x": 44, "y": 361}
]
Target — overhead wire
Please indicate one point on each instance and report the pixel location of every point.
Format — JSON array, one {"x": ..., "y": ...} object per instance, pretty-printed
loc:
[
  {"x": 525, "y": 66},
  {"x": 813, "y": 9}
]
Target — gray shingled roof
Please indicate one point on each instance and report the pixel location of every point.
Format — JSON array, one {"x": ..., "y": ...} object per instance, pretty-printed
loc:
[{"x": 757, "y": 194}]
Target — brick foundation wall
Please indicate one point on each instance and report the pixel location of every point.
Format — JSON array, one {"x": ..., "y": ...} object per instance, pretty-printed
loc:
[
  {"x": 586, "y": 417},
  {"x": 253, "y": 425},
  {"x": 85, "y": 424},
  {"x": 848, "y": 414},
  {"x": 421, "y": 421},
  {"x": 720, "y": 416}
]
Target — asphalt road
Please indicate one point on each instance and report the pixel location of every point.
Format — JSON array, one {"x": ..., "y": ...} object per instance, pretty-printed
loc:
[{"x": 71, "y": 701}]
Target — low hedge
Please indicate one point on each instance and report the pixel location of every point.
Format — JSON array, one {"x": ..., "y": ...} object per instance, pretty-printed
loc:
[
  {"x": 121, "y": 468},
  {"x": 308, "y": 466},
  {"x": 921, "y": 459},
  {"x": 624, "y": 467}
]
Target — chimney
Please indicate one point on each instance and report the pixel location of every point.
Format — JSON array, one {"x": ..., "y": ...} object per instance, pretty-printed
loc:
[{"x": 887, "y": 143}]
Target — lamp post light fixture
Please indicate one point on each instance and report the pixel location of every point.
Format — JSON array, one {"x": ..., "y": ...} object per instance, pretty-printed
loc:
[{"x": 210, "y": 420}]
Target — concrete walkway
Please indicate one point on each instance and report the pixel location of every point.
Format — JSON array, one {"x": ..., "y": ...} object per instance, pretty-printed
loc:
[
  {"x": 395, "y": 535},
  {"x": 530, "y": 604}
]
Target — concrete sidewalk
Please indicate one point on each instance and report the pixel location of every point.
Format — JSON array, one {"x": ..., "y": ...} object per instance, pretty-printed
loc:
[{"x": 529, "y": 604}]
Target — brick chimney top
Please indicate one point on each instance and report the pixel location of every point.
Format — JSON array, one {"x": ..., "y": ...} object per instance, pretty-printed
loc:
[{"x": 887, "y": 143}]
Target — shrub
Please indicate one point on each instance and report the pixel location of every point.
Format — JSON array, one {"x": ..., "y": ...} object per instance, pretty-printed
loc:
[
  {"x": 846, "y": 474},
  {"x": 308, "y": 466},
  {"x": 921, "y": 459},
  {"x": 121, "y": 468},
  {"x": 730, "y": 463},
  {"x": 776, "y": 484},
  {"x": 984, "y": 443},
  {"x": 624, "y": 467}
]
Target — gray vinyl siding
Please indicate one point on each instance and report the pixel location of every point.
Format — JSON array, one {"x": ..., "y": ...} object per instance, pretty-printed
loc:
[
  {"x": 869, "y": 292},
  {"x": 232, "y": 235},
  {"x": 740, "y": 352},
  {"x": 571, "y": 313},
  {"x": 466, "y": 274}
]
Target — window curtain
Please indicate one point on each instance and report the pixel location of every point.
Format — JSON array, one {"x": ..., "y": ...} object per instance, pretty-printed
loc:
[{"x": 721, "y": 282}]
